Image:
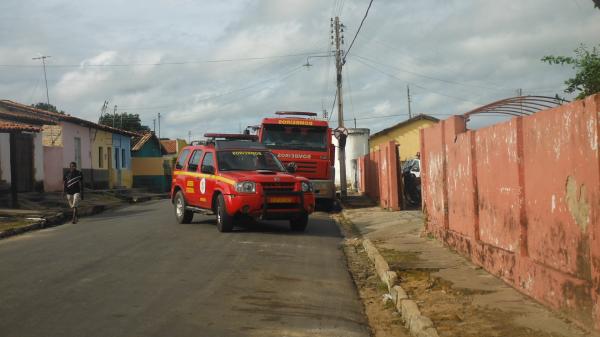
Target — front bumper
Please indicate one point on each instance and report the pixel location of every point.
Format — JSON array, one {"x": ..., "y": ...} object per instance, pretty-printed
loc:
[{"x": 260, "y": 205}]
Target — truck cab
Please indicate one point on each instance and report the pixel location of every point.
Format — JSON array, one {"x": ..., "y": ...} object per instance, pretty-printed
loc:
[
  {"x": 302, "y": 139},
  {"x": 235, "y": 177}
]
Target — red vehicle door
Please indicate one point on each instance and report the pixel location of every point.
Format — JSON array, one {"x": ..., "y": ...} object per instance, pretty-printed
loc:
[
  {"x": 206, "y": 185},
  {"x": 192, "y": 181}
]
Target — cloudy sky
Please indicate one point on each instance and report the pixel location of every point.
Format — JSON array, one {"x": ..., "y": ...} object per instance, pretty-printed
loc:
[{"x": 223, "y": 65}]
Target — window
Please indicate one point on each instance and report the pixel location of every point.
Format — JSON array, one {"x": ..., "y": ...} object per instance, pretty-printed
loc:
[
  {"x": 194, "y": 160},
  {"x": 77, "y": 145},
  {"x": 181, "y": 161},
  {"x": 208, "y": 164},
  {"x": 123, "y": 160},
  {"x": 100, "y": 157},
  {"x": 248, "y": 161},
  {"x": 117, "y": 165},
  {"x": 309, "y": 138}
]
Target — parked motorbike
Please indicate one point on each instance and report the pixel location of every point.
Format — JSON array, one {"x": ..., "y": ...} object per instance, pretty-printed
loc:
[{"x": 411, "y": 177}]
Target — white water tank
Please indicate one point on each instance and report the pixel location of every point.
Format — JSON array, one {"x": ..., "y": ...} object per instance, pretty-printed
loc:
[{"x": 357, "y": 145}]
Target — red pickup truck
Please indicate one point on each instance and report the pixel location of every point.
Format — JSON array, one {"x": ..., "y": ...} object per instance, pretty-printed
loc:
[{"x": 235, "y": 177}]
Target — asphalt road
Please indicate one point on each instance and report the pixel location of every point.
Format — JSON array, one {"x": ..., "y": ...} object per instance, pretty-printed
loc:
[{"x": 136, "y": 272}]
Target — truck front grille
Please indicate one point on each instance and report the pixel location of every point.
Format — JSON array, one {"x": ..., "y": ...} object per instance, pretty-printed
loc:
[{"x": 287, "y": 187}]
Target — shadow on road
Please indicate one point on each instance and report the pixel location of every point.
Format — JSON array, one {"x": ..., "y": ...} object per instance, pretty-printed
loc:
[{"x": 319, "y": 225}]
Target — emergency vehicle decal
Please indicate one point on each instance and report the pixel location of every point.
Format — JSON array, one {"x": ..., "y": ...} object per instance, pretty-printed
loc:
[
  {"x": 189, "y": 186},
  {"x": 246, "y": 153},
  {"x": 294, "y": 155},
  {"x": 207, "y": 176},
  {"x": 294, "y": 122},
  {"x": 203, "y": 185}
]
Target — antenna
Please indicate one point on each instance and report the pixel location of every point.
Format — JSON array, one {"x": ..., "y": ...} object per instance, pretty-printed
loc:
[{"x": 43, "y": 58}]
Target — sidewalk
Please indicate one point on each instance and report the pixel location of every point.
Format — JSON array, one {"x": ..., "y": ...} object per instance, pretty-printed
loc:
[
  {"x": 460, "y": 298},
  {"x": 41, "y": 210}
]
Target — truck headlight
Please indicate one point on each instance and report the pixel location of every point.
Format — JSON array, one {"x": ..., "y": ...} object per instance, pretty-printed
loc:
[
  {"x": 306, "y": 186},
  {"x": 245, "y": 187}
]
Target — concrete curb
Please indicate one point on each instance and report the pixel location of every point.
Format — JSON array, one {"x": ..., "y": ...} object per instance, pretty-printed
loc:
[
  {"x": 417, "y": 324},
  {"x": 58, "y": 219}
]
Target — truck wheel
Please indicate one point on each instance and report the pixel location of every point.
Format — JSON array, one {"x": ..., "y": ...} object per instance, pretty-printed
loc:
[
  {"x": 299, "y": 223},
  {"x": 181, "y": 214},
  {"x": 224, "y": 220}
]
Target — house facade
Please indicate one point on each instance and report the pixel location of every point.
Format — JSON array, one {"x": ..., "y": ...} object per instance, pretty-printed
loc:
[
  {"x": 405, "y": 134},
  {"x": 150, "y": 169},
  {"x": 90, "y": 145}
]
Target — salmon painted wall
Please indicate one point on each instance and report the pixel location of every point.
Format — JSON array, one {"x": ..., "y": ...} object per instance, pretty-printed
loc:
[
  {"x": 522, "y": 199},
  {"x": 379, "y": 175}
]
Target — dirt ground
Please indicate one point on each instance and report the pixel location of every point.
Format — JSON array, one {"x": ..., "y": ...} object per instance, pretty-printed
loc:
[
  {"x": 452, "y": 309},
  {"x": 383, "y": 319}
]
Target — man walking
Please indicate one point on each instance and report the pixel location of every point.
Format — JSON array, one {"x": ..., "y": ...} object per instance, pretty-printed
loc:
[{"x": 73, "y": 188}]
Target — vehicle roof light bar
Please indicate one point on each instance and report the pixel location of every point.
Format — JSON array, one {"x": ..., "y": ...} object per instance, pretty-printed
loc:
[
  {"x": 231, "y": 136},
  {"x": 296, "y": 113}
]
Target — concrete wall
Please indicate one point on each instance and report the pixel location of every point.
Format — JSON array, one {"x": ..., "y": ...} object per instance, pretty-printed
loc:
[
  {"x": 379, "y": 175},
  {"x": 522, "y": 199},
  {"x": 53, "y": 168},
  {"x": 357, "y": 145},
  {"x": 121, "y": 176},
  {"x": 406, "y": 136}
]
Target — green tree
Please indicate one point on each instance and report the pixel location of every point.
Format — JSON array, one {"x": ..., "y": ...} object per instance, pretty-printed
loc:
[
  {"x": 587, "y": 66},
  {"x": 125, "y": 121},
  {"x": 47, "y": 107}
]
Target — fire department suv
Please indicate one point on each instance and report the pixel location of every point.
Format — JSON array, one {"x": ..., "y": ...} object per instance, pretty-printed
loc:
[{"x": 235, "y": 177}]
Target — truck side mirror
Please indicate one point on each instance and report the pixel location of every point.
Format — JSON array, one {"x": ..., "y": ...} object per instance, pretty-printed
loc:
[{"x": 291, "y": 167}]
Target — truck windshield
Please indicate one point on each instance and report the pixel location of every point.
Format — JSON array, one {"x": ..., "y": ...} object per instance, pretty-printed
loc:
[
  {"x": 308, "y": 138},
  {"x": 244, "y": 160}
]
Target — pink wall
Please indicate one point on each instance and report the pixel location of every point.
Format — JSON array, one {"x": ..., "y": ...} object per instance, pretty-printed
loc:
[
  {"x": 53, "y": 169},
  {"x": 69, "y": 132},
  {"x": 522, "y": 199},
  {"x": 379, "y": 175}
]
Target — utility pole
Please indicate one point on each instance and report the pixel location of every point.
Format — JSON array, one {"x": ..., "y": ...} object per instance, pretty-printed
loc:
[
  {"x": 338, "y": 30},
  {"x": 43, "y": 58},
  {"x": 159, "y": 125},
  {"x": 189, "y": 136},
  {"x": 408, "y": 96},
  {"x": 114, "y": 115},
  {"x": 154, "y": 125}
]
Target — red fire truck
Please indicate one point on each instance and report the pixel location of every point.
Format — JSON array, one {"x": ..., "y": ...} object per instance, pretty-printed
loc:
[{"x": 301, "y": 138}]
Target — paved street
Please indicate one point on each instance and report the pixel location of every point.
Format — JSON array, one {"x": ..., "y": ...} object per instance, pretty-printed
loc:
[{"x": 135, "y": 272}]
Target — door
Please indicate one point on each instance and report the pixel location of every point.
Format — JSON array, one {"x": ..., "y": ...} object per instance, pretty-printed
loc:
[
  {"x": 207, "y": 183},
  {"x": 192, "y": 182},
  {"x": 24, "y": 160},
  {"x": 110, "y": 167}
]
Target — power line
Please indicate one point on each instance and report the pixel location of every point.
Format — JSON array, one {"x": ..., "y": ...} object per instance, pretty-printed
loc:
[
  {"x": 83, "y": 65},
  {"x": 425, "y": 76},
  {"x": 436, "y": 114},
  {"x": 358, "y": 31},
  {"x": 206, "y": 98},
  {"x": 416, "y": 85}
]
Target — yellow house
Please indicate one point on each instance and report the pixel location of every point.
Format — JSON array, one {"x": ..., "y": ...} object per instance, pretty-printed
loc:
[{"x": 406, "y": 135}]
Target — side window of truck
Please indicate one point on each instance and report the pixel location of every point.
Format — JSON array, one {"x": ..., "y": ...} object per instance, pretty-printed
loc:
[
  {"x": 194, "y": 160},
  {"x": 181, "y": 161},
  {"x": 208, "y": 165}
]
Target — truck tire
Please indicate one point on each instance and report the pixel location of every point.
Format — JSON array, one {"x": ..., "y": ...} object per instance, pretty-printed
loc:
[
  {"x": 299, "y": 223},
  {"x": 224, "y": 220},
  {"x": 182, "y": 215}
]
